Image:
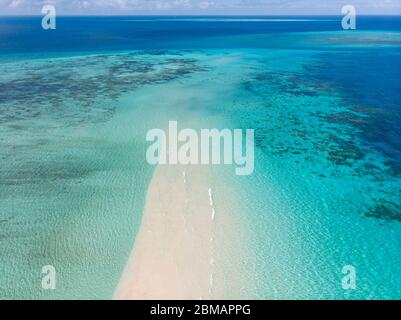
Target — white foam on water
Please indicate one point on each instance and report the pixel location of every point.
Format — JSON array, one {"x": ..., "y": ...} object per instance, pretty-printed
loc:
[{"x": 211, "y": 203}]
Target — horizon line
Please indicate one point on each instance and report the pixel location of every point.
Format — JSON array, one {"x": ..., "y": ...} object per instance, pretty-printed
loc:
[{"x": 201, "y": 15}]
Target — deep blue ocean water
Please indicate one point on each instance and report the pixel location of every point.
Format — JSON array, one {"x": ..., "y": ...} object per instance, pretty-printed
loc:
[{"x": 24, "y": 35}]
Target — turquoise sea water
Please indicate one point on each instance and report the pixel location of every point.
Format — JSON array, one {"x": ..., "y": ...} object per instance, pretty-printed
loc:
[{"x": 325, "y": 105}]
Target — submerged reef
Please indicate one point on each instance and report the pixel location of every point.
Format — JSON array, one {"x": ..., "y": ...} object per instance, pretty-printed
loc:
[
  {"x": 385, "y": 210},
  {"x": 71, "y": 87},
  {"x": 306, "y": 116},
  {"x": 37, "y": 97}
]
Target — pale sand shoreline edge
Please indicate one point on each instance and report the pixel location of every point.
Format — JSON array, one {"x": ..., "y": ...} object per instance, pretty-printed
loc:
[{"x": 173, "y": 256}]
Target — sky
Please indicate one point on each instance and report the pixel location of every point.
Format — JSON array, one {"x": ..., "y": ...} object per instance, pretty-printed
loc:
[{"x": 199, "y": 7}]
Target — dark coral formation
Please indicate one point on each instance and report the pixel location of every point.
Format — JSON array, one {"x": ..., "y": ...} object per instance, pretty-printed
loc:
[
  {"x": 47, "y": 85},
  {"x": 385, "y": 210}
]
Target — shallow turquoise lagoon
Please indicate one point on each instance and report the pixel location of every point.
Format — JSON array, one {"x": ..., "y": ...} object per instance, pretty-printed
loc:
[{"x": 326, "y": 191}]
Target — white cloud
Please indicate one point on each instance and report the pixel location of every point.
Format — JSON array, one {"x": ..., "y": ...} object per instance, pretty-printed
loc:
[
  {"x": 193, "y": 6},
  {"x": 16, "y": 3},
  {"x": 203, "y": 5}
]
